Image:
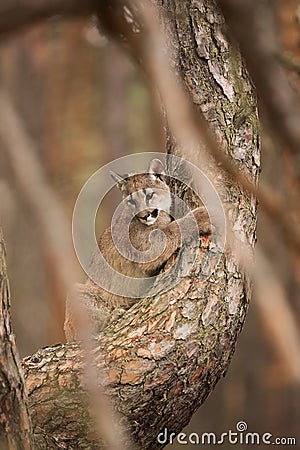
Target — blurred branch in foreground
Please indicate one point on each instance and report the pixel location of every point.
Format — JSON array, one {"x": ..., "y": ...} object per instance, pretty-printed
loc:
[
  {"x": 22, "y": 155},
  {"x": 15, "y": 14},
  {"x": 278, "y": 317},
  {"x": 29, "y": 177}
]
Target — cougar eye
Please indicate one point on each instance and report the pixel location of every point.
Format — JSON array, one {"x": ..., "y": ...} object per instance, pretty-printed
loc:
[
  {"x": 149, "y": 196},
  {"x": 131, "y": 201}
]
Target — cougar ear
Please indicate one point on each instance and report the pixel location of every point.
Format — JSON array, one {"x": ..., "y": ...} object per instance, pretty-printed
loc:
[
  {"x": 156, "y": 167},
  {"x": 117, "y": 178}
]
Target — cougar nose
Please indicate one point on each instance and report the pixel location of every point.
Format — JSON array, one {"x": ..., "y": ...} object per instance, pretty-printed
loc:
[{"x": 145, "y": 215}]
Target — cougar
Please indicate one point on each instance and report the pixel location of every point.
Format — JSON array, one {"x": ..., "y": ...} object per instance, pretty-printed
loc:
[{"x": 143, "y": 238}]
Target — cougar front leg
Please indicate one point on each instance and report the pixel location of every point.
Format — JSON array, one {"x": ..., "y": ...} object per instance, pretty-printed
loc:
[
  {"x": 202, "y": 218},
  {"x": 172, "y": 243},
  {"x": 178, "y": 233}
]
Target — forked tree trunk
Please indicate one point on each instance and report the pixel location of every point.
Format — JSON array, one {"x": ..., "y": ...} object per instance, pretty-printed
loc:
[{"x": 165, "y": 355}]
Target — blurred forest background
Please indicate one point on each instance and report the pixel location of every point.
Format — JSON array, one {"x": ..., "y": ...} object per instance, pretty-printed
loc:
[{"x": 84, "y": 104}]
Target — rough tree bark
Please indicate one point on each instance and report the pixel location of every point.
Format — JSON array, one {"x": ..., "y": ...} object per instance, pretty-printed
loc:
[
  {"x": 166, "y": 354},
  {"x": 15, "y": 426}
]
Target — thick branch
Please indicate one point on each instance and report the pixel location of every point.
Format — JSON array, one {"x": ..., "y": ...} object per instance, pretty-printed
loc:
[
  {"x": 15, "y": 428},
  {"x": 155, "y": 357}
]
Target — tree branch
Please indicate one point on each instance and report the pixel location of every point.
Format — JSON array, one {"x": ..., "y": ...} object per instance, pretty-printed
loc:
[
  {"x": 15, "y": 424},
  {"x": 32, "y": 182},
  {"x": 15, "y": 14},
  {"x": 253, "y": 24}
]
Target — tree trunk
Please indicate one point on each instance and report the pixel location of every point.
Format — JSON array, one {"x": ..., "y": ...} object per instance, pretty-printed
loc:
[
  {"x": 166, "y": 354},
  {"x": 15, "y": 428}
]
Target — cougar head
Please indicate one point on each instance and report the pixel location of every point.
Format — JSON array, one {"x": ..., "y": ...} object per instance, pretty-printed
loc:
[{"x": 146, "y": 194}]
